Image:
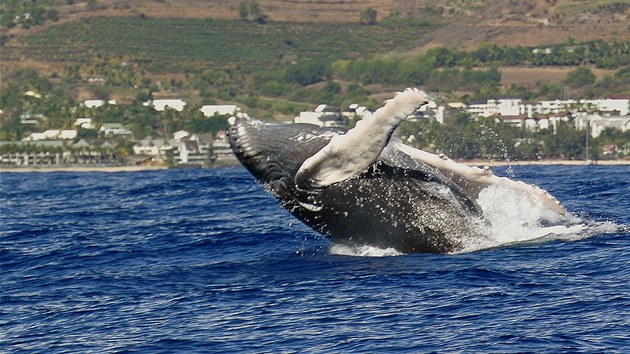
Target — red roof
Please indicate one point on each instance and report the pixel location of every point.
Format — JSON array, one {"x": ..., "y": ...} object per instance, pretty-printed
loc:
[{"x": 519, "y": 117}]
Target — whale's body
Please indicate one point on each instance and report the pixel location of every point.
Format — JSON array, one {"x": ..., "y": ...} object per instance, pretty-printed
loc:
[{"x": 361, "y": 187}]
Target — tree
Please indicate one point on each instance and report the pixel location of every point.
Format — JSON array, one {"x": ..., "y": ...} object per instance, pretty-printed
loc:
[
  {"x": 243, "y": 11},
  {"x": 368, "y": 16},
  {"x": 211, "y": 125},
  {"x": 101, "y": 92},
  {"x": 52, "y": 15},
  {"x": 254, "y": 8},
  {"x": 308, "y": 72},
  {"x": 566, "y": 143},
  {"x": 330, "y": 93},
  {"x": 581, "y": 76}
]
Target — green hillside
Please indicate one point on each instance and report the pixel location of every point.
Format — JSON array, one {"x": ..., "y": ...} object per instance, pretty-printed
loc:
[{"x": 171, "y": 44}]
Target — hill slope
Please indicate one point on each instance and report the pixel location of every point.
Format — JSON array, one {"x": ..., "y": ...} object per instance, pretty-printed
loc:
[
  {"x": 176, "y": 37},
  {"x": 470, "y": 21}
]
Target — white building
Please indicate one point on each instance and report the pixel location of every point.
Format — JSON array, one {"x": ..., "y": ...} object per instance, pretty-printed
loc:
[
  {"x": 114, "y": 129},
  {"x": 157, "y": 148},
  {"x": 161, "y": 105},
  {"x": 189, "y": 153},
  {"x": 510, "y": 106},
  {"x": 608, "y": 105},
  {"x": 204, "y": 142},
  {"x": 556, "y": 106},
  {"x": 97, "y": 103},
  {"x": 597, "y": 123},
  {"x": 180, "y": 134},
  {"x": 323, "y": 116},
  {"x": 546, "y": 114},
  {"x": 30, "y": 118},
  {"x": 482, "y": 109},
  {"x": 52, "y": 134},
  {"x": 493, "y": 107},
  {"x": 519, "y": 121},
  {"x": 211, "y": 110},
  {"x": 33, "y": 94}
]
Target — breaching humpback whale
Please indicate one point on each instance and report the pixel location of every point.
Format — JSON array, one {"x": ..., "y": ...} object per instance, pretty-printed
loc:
[{"x": 364, "y": 187}]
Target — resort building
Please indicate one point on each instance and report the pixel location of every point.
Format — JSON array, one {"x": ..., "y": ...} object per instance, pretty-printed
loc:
[
  {"x": 211, "y": 110},
  {"x": 163, "y": 104}
]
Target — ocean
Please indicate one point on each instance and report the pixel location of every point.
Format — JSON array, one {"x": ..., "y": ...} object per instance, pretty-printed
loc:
[{"x": 205, "y": 261}]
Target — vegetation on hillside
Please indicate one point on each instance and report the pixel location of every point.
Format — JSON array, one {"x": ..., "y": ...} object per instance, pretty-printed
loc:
[
  {"x": 597, "y": 53},
  {"x": 248, "y": 62},
  {"x": 178, "y": 45},
  {"x": 447, "y": 69}
]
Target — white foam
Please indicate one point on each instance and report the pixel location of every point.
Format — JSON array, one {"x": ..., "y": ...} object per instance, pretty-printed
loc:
[
  {"x": 513, "y": 217},
  {"x": 592, "y": 228},
  {"x": 362, "y": 251}
]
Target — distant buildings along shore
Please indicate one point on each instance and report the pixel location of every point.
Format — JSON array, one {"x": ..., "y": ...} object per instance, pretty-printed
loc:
[{"x": 63, "y": 146}]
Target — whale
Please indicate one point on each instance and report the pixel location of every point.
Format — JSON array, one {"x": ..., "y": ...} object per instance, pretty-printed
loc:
[{"x": 364, "y": 186}]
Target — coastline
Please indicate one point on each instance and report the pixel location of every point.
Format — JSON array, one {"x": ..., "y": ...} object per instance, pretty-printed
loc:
[
  {"x": 480, "y": 163},
  {"x": 133, "y": 168}
]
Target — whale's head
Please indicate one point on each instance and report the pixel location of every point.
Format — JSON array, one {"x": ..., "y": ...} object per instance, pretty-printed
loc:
[{"x": 273, "y": 153}]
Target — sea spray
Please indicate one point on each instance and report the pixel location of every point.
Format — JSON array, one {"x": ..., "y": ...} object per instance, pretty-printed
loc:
[
  {"x": 362, "y": 251},
  {"x": 511, "y": 216}
]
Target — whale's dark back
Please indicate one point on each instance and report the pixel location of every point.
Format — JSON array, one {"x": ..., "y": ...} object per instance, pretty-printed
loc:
[{"x": 397, "y": 202}]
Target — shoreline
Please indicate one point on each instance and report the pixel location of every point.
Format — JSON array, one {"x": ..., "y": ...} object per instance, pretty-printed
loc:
[
  {"x": 133, "y": 168},
  {"x": 480, "y": 163}
]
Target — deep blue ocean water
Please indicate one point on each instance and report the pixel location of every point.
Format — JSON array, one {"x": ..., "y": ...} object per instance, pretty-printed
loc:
[{"x": 204, "y": 260}]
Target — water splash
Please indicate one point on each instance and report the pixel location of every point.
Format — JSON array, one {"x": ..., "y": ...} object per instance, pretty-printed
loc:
[
  {"x": 362, "y": 251},
  {"x": 512, "y": 217}
]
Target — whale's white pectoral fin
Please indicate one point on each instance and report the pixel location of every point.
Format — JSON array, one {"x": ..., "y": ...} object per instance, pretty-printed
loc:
[
  {"x": 471, "y": 179},
  {"x": 351, "y": 153},
  {"x": 474, "y": 179}
]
